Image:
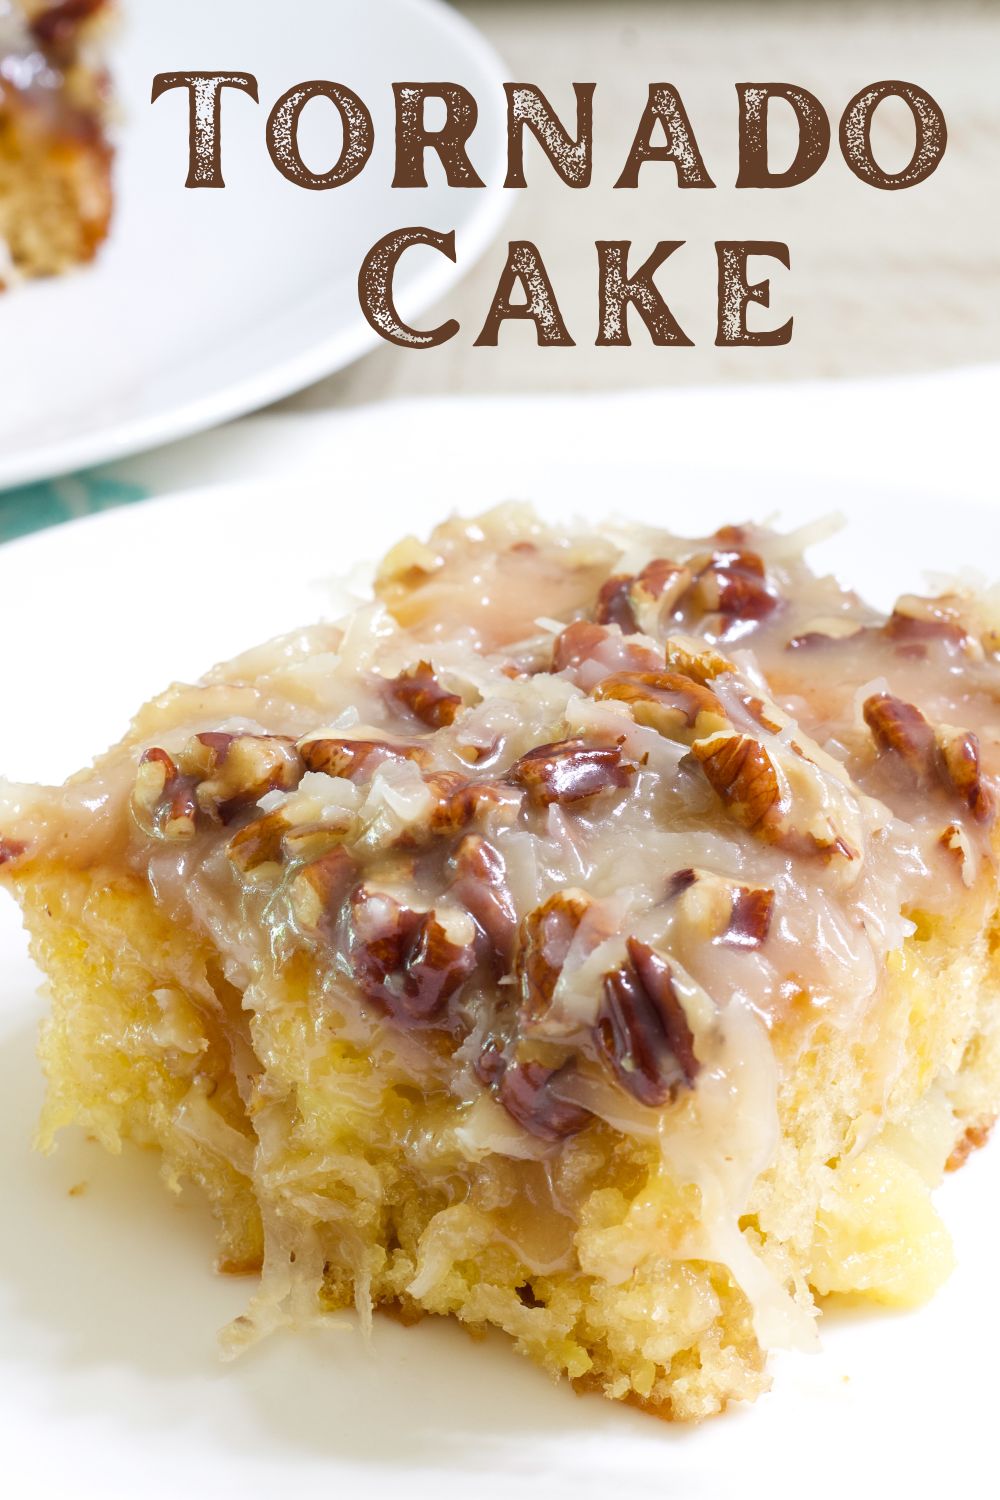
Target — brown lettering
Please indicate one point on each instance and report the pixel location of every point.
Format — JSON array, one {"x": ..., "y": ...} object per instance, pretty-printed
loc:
[
  {"x": 205, "y": 119},
  {"x": 814, "y": 135},
  {"x": 413, "y": 137},
  {"x": 571, "y": 157},
  {"x": 736, "y": 293},
  {"x": 617, "y": 289},
  {"x": 283, "y": 134},
  {"x": 525, "y": 267},
  {"x": 856, "y": 132},
  {"x": 375, "y": 291},
  {"x": 664, "y": 107}
]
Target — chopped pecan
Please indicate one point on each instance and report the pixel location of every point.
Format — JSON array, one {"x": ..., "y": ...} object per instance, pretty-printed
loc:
[
  {"x": 480, "y": 885},
  {"x": 960, "y": 761},
  {"x": 570, "y": 771},
  {"x": 357, "y": 759},
  {"x": 418, "y": 690},
  {"x": 576, "y": 644},
  {"x": 675, "y": 706},
  {"x": 643, "y": 601},
  {"x": 826, "y": 633},
  {"x": 614, "y": 605},
  {"x": 956, "y": 840},
  {"x": 915, "y": 621},
  {"x": 409, "y": 961},
  {"x": 276, "y": 836},
  {"x": 163, "y": 800},
  {"x": 974, "y": 1138},
  {"x": 721, "y": 911},
  {"x": 489, "y": 1065},
  {"x": 260, "y": 842},
  {"x": 235, "y": 770},
  {"x": 750, "y": 919},
  {"x": 458, "y": 801},
  {"x": 546, "y": 934},
  {"x": 11, "y": 849},
  {"x": 526, "y": 1091},
  {"x": 946, "y": 757},
  {"x": 734, "y": 584},
  {"x": 696, "y": 660},
  {"x": 642, "y": 1031},
  {"x": 742, "y": 774},
  {"x": 318, "y": 891},
  {"x": 657, "y": 591},
  {"x": 678, "y": 883}
]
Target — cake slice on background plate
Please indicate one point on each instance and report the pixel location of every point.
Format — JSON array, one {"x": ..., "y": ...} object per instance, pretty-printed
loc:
[
  {"x": 55, "y": 158},
  {"x": 590, "y": 936}
]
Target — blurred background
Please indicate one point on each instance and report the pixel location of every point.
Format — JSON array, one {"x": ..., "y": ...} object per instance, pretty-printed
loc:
[{"x": 881, "y": 283}]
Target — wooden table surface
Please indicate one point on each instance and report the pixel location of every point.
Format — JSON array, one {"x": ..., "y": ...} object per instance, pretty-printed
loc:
[{"x": 880, "y": 282}]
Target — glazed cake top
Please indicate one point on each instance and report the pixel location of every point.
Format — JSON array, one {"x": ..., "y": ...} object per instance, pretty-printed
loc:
[{"x": 557, "y": 808}]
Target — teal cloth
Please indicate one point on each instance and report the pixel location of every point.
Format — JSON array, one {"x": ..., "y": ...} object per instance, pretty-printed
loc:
[{"x": 32, "y": 507}]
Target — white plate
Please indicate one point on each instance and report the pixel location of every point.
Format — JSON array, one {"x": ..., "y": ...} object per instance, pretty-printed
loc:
[
  {"x": 207, "y": 303},
  {"x": 109, "y": 1380}
]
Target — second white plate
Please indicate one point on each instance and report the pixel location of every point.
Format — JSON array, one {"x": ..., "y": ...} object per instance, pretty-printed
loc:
[{"x": 207, "y": 303}]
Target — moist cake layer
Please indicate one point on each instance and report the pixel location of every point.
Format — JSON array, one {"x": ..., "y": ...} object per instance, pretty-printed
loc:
[{"x": 592, "y": 935}]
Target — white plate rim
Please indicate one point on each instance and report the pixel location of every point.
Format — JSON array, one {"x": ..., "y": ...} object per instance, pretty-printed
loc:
[{"x": 295, "y": 372}]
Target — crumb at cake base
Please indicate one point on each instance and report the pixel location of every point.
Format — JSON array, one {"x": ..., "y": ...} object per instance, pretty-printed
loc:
[{"x": 603, "y": 1046}]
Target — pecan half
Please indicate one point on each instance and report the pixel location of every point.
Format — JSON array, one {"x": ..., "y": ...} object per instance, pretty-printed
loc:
[
  {"x": 163, "y": 800},
  {"x": 357, "y": 759},
  {"x": 408, "y": 961},
  {"x": 901, "y": 729},
  {"x": 576, "y": 644},
  {"x": 656, "y": 593},
  {"x": 742, "y": 774},
  {"x": 546, "y": 934},
  {"x": 675, "y": 706},
  {"x": 570, "y": 771},
  {"x": 946, "y": 757},
  {"x": 645, "y": 600},
  {"x": 960, "y": 760},
  {"x": 642, "y": 1031},
  {"x": 418, "y": 690},
  {"x": 480, "y": 885},
  {"x": 527, "y": 1094},
  {"x": 734, "y": 584}
]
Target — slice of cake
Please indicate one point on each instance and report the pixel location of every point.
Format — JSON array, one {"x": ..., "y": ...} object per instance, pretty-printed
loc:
[
  {"x": 592, "y": 936},
  {"x": 55, "y": 159}
]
